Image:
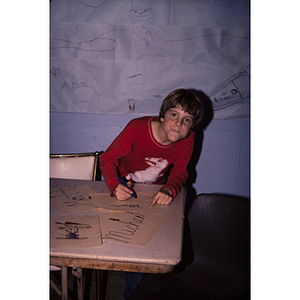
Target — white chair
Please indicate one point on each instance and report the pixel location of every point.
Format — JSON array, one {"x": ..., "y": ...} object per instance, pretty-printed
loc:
[{"x": 72, "y": 166}]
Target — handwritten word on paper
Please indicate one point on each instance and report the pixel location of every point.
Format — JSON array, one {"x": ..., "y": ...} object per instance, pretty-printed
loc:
[
  {"x": 131, "y": 228},
  {"x": 141, "y": 203}
]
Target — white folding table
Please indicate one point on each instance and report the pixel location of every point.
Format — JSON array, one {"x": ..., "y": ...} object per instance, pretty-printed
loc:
[{"x": 160, "y": 255}]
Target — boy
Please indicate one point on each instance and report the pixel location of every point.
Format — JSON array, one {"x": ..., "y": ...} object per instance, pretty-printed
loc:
[{"x": 149, "y": 148}]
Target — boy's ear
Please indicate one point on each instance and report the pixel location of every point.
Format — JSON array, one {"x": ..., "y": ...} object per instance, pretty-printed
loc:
[{"x": 162, "y": 119}]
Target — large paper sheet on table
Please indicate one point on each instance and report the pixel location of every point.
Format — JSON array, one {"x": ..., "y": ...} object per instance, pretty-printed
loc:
[
  {"x": 75, "y": 232},
  {"x": 72, "y": 200},
  {"x": 124, "y": 57},
  {"x": 131, "y": 228}
]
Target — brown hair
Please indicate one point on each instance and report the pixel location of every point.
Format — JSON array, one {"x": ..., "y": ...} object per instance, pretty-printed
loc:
[{"x": 189, "y": 102}]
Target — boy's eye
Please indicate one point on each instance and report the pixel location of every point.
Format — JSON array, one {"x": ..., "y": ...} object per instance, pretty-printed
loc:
[{"x": 188, "y": 120}]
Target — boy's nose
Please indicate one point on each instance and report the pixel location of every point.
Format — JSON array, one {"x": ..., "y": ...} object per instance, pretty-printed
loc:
[{"x": 178, "y": 122}]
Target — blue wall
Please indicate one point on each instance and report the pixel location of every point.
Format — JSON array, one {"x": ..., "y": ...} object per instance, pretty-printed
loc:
[{"x": 223, "y": 166}]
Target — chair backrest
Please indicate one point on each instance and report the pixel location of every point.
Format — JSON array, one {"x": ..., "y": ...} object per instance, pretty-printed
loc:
[
  {"x": 74, "y": 166},
  {"x": 220, "y": 229}
]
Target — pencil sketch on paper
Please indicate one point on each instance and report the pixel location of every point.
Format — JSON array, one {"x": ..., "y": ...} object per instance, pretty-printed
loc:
[
  {"x": 131, "y": 103},
  {"x": 118, "y": 54},
  {"x": 233, "y": 90},
  {"x": 55, "y": 71},
  {"x": 93, "y": 45},
  {"x": 92, "y": 3},
  {"x": 75, "y": 85},
  {"x": 141, "y": 10},
  {"x": 149, "y": 34}
]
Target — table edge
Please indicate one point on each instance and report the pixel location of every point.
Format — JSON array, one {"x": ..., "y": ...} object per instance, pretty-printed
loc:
[{"x": 111, "y": 265}]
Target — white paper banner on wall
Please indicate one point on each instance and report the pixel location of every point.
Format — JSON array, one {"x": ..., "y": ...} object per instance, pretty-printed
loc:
[{"x": 124, "y": 57}]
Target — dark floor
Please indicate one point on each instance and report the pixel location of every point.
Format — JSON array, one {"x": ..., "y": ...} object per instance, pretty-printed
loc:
[{"x": 114, "y": 289}]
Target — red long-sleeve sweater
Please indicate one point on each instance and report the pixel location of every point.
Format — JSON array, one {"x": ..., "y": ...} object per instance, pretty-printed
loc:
[{"x": 136, "y": 155}]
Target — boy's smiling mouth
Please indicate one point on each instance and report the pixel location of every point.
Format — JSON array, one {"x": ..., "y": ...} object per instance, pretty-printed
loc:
[{"x": 175, "y": 130}]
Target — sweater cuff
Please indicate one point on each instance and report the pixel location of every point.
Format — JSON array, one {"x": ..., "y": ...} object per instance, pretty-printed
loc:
[
  {"x": 112, "y": 184},
  {"x": 174, "y": 192}
]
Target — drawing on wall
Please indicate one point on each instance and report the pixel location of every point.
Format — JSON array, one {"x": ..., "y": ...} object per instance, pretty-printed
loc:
[
  {"x": 235, "y": 89},
  {"x": 92, "y": 3},
  {"x": 130, "y": 228},
  {"x": 131, "y": 103},
  {"x": 149, "y": 33},
  {"x": 141, "y": 10},
  {"x": 113, "y": 57},
  {"x": 75, "y": 232},
  {"x": 96, "y": 44}
]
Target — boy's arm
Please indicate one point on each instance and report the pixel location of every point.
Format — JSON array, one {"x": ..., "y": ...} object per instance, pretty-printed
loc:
[
  {"x": 178, "y": 174},
  {"x": 109, "y": 160},
  {"x": 109, "y": 171}
]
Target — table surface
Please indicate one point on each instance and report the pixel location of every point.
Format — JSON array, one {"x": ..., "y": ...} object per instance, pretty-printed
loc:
[{"x": 160, "y": 255}]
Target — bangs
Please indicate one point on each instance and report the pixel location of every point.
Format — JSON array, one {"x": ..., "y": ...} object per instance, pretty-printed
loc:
[{"x": 189, "y": 105}]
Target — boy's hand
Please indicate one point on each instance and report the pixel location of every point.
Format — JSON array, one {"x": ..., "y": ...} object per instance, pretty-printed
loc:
[
  {"x": 163, "y": 197},
  {"x": 122, "y": 192}
]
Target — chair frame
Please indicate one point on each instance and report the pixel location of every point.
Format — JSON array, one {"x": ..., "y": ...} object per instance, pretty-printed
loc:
[{"x": 96, "y": 154}]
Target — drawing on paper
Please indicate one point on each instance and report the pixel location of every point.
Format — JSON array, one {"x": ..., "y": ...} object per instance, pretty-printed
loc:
[
  {"x": 72, "y": 199},
  {"x": 93, "y": 45},
  {"x": 75, "y": 85},
  {"x": 141, "y": 10},
  {"x": 55, "y": 71},
  {"x": 234, "y": 90},
  {"x": 92, "y": 3},
  {"x": 75, "y": 232},
  {"x": 150, "y": 34},
  {"x": 137, "y": 50},
  {"x": 131, "y": 103},
  {"x": 73, "y": 194},
  {"x": 72, "y": 229}
]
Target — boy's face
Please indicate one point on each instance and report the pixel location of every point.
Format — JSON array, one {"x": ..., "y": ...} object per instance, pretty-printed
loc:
[{"x": 176, "y": 124}]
